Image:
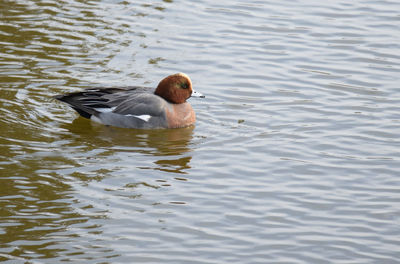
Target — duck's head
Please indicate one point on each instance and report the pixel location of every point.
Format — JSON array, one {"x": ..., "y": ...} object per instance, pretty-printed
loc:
[{"x": 176, "y": 88}]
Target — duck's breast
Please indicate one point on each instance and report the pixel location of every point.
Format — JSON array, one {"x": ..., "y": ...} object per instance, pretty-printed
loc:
[{"x": 180, "y": 115}]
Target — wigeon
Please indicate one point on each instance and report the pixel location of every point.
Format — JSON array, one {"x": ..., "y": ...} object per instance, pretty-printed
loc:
[{"x": 138, "y": 107}]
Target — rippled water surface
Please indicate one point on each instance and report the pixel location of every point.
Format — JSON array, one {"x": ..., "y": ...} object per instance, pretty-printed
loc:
[{"x": 295, "y": 156}]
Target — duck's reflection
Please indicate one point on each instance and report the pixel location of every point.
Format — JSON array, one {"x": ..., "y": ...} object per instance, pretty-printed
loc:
[{"x": 170, "y": 146}]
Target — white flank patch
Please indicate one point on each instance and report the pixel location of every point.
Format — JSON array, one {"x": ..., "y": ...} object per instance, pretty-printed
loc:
[
  {"x": 145, "y": 118},
  {"x": 105, "y": 109}
]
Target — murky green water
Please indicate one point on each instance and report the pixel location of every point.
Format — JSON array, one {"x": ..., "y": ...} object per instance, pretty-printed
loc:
[{"x": 294, "y": 158}]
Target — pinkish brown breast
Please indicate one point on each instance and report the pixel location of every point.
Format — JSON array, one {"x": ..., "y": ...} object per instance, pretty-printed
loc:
[{"x": 180, "y": 115}]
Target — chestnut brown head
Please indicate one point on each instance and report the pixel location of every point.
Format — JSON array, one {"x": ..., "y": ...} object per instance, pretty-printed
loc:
[{"x": 176, "y": 88}]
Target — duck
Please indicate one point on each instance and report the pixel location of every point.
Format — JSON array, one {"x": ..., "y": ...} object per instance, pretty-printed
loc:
[{"x": 138, "y": 107}]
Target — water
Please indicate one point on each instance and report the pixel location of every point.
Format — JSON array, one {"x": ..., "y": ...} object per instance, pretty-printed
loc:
[{"x": 294, "y": 157}]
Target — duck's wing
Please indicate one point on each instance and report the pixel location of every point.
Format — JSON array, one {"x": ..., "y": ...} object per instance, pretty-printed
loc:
[
  {"x": 96, "y": 100},
  {"x": 139, "y": 110}
]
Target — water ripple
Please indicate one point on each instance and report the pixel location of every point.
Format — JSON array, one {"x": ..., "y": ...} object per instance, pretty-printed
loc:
[{"x": 293, "y": 159}]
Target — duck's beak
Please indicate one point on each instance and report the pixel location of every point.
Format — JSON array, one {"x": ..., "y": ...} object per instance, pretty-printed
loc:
[{"x": 197, "y": 94}]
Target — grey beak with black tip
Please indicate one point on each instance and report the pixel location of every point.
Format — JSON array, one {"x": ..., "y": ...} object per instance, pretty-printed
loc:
[{"x": 197, "y": 94}]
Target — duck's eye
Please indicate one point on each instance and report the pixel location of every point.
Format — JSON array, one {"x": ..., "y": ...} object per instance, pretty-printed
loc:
[{"x": 184, "y": 85}]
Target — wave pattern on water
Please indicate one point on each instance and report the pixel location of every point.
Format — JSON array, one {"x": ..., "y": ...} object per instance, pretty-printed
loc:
[{"x": 294, "y": 157}]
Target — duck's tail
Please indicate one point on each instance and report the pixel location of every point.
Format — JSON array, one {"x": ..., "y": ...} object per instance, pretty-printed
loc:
[{"x": 85, "y": 103}]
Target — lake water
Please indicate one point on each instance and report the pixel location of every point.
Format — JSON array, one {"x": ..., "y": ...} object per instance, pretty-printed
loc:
[{"x": 295, "y": 156}]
